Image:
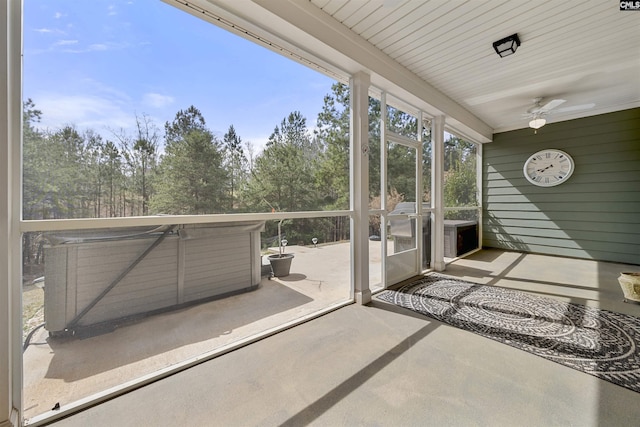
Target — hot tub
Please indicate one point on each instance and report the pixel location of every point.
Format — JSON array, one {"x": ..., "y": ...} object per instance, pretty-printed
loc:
[{"x": 99, "y": 276}]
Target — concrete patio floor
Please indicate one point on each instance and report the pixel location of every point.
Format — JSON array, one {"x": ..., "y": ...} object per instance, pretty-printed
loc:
[
  {"x": 382, "y": 365},
  {"x": 66, "y": 370}
]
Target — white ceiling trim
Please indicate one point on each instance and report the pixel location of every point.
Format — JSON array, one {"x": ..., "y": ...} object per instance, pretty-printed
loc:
[{"x": 576, "y": 115}]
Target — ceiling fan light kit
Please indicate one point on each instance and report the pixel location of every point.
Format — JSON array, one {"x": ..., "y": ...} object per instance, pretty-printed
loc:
[
  {"x": 507, "y": 46},
  {"x": 537, "y": 123},
  {"x": 538, "y": 111}
]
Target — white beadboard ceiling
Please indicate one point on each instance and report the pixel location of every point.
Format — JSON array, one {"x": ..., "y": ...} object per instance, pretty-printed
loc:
[{"x": 586, "y": 52}]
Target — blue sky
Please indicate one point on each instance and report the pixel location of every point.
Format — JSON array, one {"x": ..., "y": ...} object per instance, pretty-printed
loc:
[{"x": 96, "y": 64}]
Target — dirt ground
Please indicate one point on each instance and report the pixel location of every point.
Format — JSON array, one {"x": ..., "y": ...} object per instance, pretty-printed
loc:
[{"x": 32, "y": 300}]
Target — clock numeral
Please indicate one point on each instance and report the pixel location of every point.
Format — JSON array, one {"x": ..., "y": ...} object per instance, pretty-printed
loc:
[
  {"x": 548, "y": 155},
  {"x": 546, "y": 180}
]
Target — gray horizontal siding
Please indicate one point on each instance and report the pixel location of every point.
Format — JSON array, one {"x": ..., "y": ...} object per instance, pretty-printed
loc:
[
  {"x": 594, "y": 215},
  {"x": 133, "y": 306},
  {"x": 151, "y": 285},
  {"x": 217, "y": 266}
]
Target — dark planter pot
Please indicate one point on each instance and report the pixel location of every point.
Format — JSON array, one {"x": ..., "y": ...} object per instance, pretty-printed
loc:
[{"x": 280, "y": 264}]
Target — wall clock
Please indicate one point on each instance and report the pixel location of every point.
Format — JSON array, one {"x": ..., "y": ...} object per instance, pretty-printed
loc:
[{"x": 547, "y": 168}]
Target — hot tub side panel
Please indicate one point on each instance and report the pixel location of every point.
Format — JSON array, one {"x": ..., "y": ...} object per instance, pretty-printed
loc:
[
  {"x": 197, "y": 263},
  {"x": 217, "y": 266}
]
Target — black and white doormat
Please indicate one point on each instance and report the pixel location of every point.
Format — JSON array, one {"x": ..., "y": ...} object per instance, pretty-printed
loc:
[{"x": 599, "y": 342}]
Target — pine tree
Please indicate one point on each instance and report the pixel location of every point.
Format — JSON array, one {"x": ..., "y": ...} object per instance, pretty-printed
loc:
[
  {"x": 34, "y": 204},
  {"x": 332, "y": 176},
  {"x": 236, "y": 165},
  {"x": 191, "y": 178},
  {"x": 140, "y": 153}
]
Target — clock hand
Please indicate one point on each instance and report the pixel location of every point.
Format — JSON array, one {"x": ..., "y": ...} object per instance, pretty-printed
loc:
[{"x": 544, "y": 169}]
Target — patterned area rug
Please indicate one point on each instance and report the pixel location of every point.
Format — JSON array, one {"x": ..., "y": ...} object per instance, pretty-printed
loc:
[{"x": 599, "y": 342}]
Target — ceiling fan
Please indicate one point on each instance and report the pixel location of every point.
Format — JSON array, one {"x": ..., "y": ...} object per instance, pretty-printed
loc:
[{"x": 538, "y": 112}]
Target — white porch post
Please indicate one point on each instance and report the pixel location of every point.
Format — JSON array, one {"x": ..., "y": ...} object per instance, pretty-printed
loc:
[
  {"x": 10, "y": 121},
  {"x": 437, "y": 191},
  {"x": 359, "y": 188},
  {"x": 479, "y": 167}
]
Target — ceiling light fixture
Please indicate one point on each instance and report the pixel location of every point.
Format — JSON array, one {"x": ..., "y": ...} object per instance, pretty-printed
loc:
[
  {"x": 537, "y": 122},
  {"x": 507, "y": 46}
]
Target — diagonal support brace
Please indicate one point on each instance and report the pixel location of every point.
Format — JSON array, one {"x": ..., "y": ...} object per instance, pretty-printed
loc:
[{"x": 118, "y": 279}]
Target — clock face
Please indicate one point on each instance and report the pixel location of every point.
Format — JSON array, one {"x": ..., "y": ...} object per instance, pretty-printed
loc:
[{"x": 547, "y": 168}]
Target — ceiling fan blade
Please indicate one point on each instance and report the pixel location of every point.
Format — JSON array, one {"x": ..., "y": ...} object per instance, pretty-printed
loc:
[
  {"x": 576, "y": 108},
  {"x": 551, "y": 105}
]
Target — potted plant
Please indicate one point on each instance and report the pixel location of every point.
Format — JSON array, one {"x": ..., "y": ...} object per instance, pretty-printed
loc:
[{"x": 280, "y": 262}]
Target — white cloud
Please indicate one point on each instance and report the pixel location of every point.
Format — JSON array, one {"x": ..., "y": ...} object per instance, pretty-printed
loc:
[
  {"x": 257, "y": 142},
  {"x": 58, "y": 15},
  {"x": 65, "y": 42},
  {"x": 157, "y": 100},
  {"x": 93, "y": 86},
  {"x": 111, "y": 10},
  {"x": 98, "y": 46},
  {"x": 84, "y": 111},
  {"x": 43, "y": 30}
]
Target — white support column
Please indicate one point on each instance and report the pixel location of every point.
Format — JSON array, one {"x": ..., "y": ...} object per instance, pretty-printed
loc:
[
  {"x": 437, "y": 191},
  {"x": 479, "y": 167},
  {"x": 420, "y": 195},
  {"x": 10, "y": 268},
  {"x": 359, "y": 188},
  {"x": 384, "y": 237}
]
